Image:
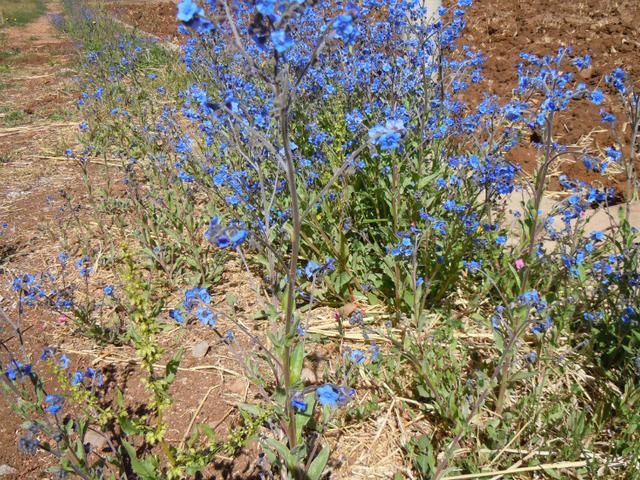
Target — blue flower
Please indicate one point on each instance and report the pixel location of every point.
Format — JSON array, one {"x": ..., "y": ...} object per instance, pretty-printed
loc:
[
  {"x": 513, "y": 111},
  {"x": 77, "y": 378},
  {"x": 17, "y": 370},
  {"x": 357, "y": 357},
  {"x": 472, "y": 265},
  {"x": 282, "y": 41},
  {"x": 108, "y": 290},
  {"x": 47, "y": 353},
  {"x": 267, "y": 9},
  {"x": 387, "y": 137},
  {"x": 542, "y": 327},
  {"x": 222, "y": 241},
  {"x": 54, "y": 402},
  {"x": 389, "y": 141},
  {"x": 176, "y": 315},
  {"x": 64, "y": 361},
  {"x": 298, "y": 403},
  {"x": 374, "y": 352},
  {"x": 195, "y": 296},
  {"x": 187, "y": 10},
  {"x": 332, "y": 396},
  {"x": 238, "y": 238},
  {"x": 597, "y": 97},
  {"x": 84, "y": 266},
  {"x": 207, "y": 317},
  {"x": 613, "y": 153},
  {"x": 311, "y": 268},
  {"x": 28, "y": 443},
  {"x": 607, "y": 117},
  {"x": 328, "y": 396},
  {"x": 343, "y": 26},
  {"x": 224, "y": 237},
  {"x": 582, "y": 62}
]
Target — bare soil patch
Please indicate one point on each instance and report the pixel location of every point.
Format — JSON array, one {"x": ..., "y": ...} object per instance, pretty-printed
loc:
[
  {"x": 157, "y": 18},
  {"x": 607, "y": 30}
]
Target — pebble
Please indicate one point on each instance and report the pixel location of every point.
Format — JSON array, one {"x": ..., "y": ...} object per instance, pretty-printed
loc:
[
  {"x": 97, "y": 441},
  {"x": 7, "y": 470},
  {"x": 200, "y": 349},
  {"x": 308, "y": 376}
]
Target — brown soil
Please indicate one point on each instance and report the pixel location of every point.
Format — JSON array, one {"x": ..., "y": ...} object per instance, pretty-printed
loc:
[
  {"x": 607, "y": 30},
  {"x": 157, "y": 18},
  {"x": 37, "y": 95}
]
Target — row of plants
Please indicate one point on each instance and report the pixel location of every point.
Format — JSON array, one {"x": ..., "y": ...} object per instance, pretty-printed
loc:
[{"x": 323, "y": 147}]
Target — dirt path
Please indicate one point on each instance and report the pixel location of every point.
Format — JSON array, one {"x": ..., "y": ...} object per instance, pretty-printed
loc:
[{"x": 37, "y": 123}]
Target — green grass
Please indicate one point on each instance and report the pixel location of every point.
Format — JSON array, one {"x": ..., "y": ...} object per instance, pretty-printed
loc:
[
  {"x": 7, "y": 54},
  {"x": 11, "y": 118},
  {"x": 20, "y": 12},
  {"x": 62, "y": 115}
]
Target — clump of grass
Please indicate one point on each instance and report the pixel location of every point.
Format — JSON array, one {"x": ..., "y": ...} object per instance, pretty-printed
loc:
[
  {"x": 20, "y": 12},
  {"x": 11, "y": 118},
  {"x": 5, "y": 54}
]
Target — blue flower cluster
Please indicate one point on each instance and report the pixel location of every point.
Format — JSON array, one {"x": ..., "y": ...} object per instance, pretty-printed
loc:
[
  {"x": 225, "y": 237},
  {"x": 197, "y": 302}
]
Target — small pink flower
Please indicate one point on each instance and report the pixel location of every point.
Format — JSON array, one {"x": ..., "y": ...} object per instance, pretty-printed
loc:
[
  {"x": 62, "y": 319},
  {"x": 519, "y": 264}
]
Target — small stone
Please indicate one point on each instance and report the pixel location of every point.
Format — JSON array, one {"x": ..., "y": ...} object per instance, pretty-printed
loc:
[
  {"x": 200, "y": 349},
  {"x": 237, "y": 386},
  {"x": 347, "y": 309},
  {"x": 96, "y": 440},
  {"x": 586, "y": 73},
  {"x": 7, "y": 470},
  {"x": 308, "y": 376}
]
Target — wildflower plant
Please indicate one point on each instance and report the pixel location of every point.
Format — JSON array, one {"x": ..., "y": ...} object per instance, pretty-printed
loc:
[
  {"x": 296, "y": 175},
  {"x": 326, "y": 146}
]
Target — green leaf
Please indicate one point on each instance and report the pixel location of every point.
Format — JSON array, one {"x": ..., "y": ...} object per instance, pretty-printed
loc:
[
  {"x": 317, "y": 466},
  {"x": 127, "y": 426},
  {"x": 497, "y": 336},
  {"x": 231, "y": 299},
  {"x": 145, "y": 469},
  {"x": 172, "y": 366},
  {"x": 516, "y": 276},
  {"x": 208, "y": 431},
  {"x": 519, "y": 376},
  {"x": 80, "y": 451},
  {"x": 283, "y": 451},
  {"x": 552, "y": 473},
  {"x": 297, "y": 359},
  {"x": 253, "y": 410},
  {"x": 302, "y": 418}
]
